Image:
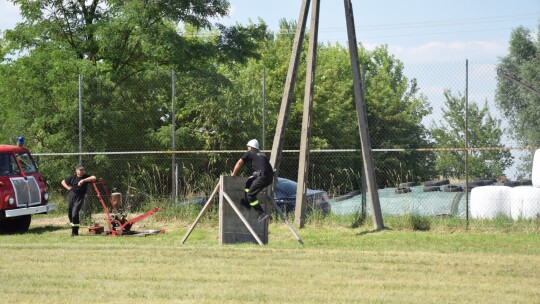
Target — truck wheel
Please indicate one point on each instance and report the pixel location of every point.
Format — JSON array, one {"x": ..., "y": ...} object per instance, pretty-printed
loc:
[
  {"x": 23, "y": 223},
  {"x": 15, "y": 224}
]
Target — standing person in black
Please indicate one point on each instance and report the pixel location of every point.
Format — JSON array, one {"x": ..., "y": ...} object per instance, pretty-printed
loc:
[
  {"x": 77, "y": 185},
  {"x": 263, "y": 176}
]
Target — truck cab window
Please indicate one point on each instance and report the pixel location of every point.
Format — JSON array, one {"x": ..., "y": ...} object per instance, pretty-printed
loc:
[
  {"x": 27, "y": 163},
  {"x": 8, "y": 165}
]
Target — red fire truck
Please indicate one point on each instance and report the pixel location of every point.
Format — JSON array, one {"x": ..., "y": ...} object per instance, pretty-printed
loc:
[{"x": 23, "y": 191}]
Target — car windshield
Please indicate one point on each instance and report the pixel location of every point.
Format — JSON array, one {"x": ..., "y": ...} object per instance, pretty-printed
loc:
[
  {"x": 8, "y": 165},
  {"x": 285, "y": 187},
  {"x": 27, "y": 163}
]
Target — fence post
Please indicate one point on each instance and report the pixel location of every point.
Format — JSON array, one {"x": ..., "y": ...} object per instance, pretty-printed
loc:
[
  {"x": 264, "y": 108},
  {"x": 174, "y": 194},
  {"x": 466, "y": 142},
  {"x": 80, "y": 118}
]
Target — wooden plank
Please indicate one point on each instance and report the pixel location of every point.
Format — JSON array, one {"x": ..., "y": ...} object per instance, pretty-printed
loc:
[
  {"x": 203, "y": 210},
  {"x": 246, "y": 223},
  {"x": 284, "y": 218},
  {"x": 303, "y": 163},
  {"x": 231, "y": 228},
  {"x": 288, "y": 90},
  {"x": 362, "y": 119}
]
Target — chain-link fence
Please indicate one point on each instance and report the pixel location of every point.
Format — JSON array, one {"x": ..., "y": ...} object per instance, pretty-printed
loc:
[{"x": 430, "y": 177}]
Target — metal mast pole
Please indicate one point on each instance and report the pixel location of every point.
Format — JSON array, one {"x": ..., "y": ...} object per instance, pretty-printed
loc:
[
  {"x": 466, "y": 141},
  {"x": 80, "y": 119},
  {"x": 173, "y": 123},
  {"x": 264, "y": 109}
]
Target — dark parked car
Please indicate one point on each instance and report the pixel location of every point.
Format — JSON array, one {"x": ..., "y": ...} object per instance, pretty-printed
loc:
[{"x": 285, "y": 197}]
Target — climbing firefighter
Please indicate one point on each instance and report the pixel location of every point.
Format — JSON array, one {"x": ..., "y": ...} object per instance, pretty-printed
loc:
[{"x": 263, "y": 176}]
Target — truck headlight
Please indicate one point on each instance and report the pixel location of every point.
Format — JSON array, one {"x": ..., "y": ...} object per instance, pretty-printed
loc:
[
  {"x": 46, "y": 196},
  {"x": 11, "y": 201}
]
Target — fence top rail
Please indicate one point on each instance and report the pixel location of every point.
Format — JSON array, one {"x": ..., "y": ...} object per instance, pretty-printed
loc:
[{"x": 286, "y": 151}]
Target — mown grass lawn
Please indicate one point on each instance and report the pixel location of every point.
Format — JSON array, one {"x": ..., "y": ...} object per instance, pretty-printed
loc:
[{"x": 335, "y": 265}]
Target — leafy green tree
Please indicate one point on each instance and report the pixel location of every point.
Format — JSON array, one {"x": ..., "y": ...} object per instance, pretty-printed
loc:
[
  {"x": 517, "y": 103},
  {"x": 125, "y": 52},
  {"x": 484, "y": 132},
  {"x": 395, "y": 109},
  {"x": 334, "y": 123}
]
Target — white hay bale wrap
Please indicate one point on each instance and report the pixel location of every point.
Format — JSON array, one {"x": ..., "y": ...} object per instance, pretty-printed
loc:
[
  {"x": 536, "y": 169},
  {"x": 525, "y": 202},
  {"x": 489, "y": 201}
]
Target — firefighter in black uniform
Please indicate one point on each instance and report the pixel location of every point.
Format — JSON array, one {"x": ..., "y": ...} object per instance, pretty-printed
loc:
[
  {"x": 77, "y": 185},
  {"x": 263, "y": 176}
]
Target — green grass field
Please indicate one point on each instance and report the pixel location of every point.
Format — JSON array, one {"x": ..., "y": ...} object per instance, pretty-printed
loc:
[{"x": 335, "y": 265}]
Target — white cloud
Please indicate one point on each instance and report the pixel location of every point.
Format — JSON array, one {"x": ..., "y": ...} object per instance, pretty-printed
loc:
[
  {"x": 232, "y": 11},
  {"x": 9, "y": 15},
  {"x": 227, "y": 19},
  {"x": 455, "y": 51}
]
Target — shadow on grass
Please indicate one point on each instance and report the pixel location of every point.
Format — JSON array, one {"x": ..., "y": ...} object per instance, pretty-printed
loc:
[
  {"x": 44, "y": 229},
  {"x": 373, "y": 231},
  {"x": 34, "y": 230}
]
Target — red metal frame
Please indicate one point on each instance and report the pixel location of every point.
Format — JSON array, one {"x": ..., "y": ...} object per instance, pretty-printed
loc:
[{"x": 121, "y": 226}]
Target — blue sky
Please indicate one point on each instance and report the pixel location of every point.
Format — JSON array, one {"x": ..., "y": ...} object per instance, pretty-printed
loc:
[{"x": 416, "y": 31}]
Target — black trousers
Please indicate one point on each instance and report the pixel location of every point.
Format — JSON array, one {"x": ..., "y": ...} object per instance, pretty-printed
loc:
[
  {"x": 75, "y": 202},
  {"x": 256, "y": 185}
]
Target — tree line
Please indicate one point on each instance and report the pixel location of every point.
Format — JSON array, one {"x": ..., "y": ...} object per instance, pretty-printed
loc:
[{"x": 126, "y": 50}]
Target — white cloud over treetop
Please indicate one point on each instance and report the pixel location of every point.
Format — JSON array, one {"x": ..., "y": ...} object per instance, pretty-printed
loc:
[{"x": 455, "y": 51}]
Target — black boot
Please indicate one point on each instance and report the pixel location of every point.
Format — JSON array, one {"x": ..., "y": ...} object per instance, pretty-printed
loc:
[
  {"x": 245, "y": 203},
  {"x": 74, "y": 231},
  {"x": 261, "y": 214}
]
